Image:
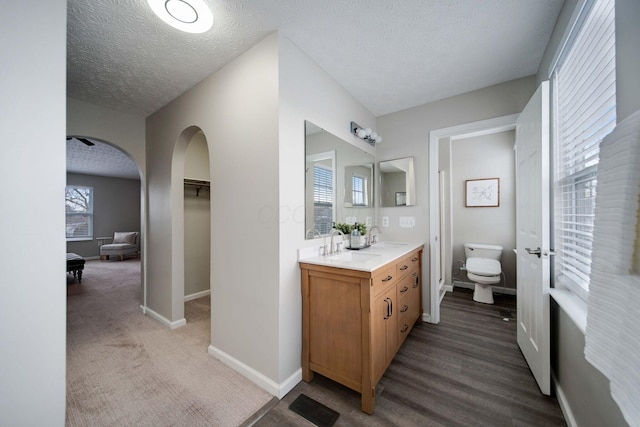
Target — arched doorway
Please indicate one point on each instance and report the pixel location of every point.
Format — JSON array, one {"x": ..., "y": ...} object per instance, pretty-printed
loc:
[
  {"x": 197, "y": 220},
  {"x": 114, "y": 182},
  {"x": 191, "y": 223}
]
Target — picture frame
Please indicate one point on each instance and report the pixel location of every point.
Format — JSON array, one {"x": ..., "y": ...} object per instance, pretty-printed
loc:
[
  {"x": 482, "y": 193},
  {"x": 401, "y": 199}
]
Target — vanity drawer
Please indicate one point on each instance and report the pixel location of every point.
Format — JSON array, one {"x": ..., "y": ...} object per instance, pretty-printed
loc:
[
  {"x": 383, "y": 278},
  {"x": 407, "y": 264},
  {"x": 408, "y": 296}
]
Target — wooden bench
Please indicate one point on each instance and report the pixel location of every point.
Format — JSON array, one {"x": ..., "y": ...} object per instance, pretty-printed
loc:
[{"x": 75, "y": 265}]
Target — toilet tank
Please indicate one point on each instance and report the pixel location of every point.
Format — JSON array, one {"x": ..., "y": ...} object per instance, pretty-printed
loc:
[{"x": 477, "y": 250}]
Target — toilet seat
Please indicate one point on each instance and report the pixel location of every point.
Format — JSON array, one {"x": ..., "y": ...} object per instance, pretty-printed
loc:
[{"x": 483, "y": 267}]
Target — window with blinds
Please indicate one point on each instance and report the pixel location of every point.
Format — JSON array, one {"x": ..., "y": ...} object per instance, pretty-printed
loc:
[
  {"x": 79, "y": 212},
  {"x": 358, "y": 184},
  {"x": 323, "y": 199},
  {"x": 584, "y": 113}
]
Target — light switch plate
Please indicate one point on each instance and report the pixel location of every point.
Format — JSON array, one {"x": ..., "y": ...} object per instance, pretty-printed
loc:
[
  {"x": 369, "y": 222},
  {"x": 407, "y": 222},
  {"x": 385, "y": 221}
]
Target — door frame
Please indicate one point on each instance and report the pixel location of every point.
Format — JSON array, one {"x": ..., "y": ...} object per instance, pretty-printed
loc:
[{"x": 483, "y": 127}]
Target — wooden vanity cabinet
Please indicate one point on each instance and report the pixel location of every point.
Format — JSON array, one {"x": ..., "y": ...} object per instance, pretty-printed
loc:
[{"x": 353, "y": 321}]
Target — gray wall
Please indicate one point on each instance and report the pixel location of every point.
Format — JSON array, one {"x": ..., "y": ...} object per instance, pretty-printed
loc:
[
  {"x": 406, "y": 133},
  {"x": 116, "y": 207},
  {"x": 488, "y": 156},
  {"x": 584, "y": 387}
]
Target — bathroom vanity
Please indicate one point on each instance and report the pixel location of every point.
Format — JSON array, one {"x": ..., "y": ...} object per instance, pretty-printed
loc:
[{"x": 357, "y": 309}]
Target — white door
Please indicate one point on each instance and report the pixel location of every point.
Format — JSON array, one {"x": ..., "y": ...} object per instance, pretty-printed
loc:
[{"x": 532, "y": 223}]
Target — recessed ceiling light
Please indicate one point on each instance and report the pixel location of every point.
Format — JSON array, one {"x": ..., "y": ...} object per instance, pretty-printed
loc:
[{"x": 191, "y": 16}]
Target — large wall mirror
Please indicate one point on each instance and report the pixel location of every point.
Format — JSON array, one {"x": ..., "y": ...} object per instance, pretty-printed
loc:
[
  {"x": 339, "y": 181},
  {"x": 397, "y": 182}
]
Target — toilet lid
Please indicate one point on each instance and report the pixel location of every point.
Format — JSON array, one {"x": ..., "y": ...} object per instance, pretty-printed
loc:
[{"x": 483, "y": 266}]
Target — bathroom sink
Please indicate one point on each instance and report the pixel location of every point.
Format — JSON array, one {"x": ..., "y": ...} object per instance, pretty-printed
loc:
[{"x": 353, "y": 256}]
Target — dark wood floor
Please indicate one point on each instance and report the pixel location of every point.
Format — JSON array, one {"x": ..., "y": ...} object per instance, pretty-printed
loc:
[{"x": 465, "y": 371}]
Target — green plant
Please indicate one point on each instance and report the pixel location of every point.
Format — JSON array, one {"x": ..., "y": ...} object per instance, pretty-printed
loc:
[{"x": 348, "y": 228}]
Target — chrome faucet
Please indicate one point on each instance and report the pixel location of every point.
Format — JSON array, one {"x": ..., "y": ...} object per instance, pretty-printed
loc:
[
  {"x": 338, "y": 249},
  {"x": 373, "y": 239}
]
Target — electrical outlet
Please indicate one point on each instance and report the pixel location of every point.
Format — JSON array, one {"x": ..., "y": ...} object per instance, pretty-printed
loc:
[
  {"x": 369, "y": 221},
  {"x": 385, "y": 221}
]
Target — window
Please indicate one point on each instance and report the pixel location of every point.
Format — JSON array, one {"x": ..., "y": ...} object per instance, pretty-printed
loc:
[
  {"x": 584, "y": 113},
  {"x": 79, "y": 211},
  {"x": 323, "y": 198},
  {"x": 359, "y": 194}
]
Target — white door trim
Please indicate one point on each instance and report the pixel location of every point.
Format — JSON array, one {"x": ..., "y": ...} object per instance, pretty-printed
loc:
[{"x": 467, "y": 130}]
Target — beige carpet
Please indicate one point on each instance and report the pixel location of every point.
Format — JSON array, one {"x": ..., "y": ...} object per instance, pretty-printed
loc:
[{"x": 126, "y": 369}]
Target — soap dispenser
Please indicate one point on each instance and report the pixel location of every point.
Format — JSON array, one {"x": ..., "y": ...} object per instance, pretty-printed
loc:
[{"x": 355, "y": 237}]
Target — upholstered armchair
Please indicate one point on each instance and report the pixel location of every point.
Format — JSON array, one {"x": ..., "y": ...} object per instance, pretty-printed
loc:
[{"x": 124, "y": 243}]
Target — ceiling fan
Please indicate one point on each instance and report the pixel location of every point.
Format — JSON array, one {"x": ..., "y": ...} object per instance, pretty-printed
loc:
[{"x": 83, "y": 140}]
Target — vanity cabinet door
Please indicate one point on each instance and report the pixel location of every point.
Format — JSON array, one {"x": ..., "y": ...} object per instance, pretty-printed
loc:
[{"x": 384, "y": 331}]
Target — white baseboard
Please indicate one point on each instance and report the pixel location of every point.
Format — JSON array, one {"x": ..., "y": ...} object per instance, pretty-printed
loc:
[
  {"x": 160, "y": 318},
  {"x": 197, "y": 295},
  {"x": 496, "y": 289},
  {"x": 91, "y": 258},
  {"x": 272, "y": 387},
  {"x": 564, "y": 403}
]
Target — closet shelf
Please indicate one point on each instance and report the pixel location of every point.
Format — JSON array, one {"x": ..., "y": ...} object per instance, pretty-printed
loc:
[{"x": 199, "y": 184}]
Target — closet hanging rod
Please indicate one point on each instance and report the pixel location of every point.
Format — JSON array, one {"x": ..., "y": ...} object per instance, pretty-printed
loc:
[{"x": 199, "y": 184}]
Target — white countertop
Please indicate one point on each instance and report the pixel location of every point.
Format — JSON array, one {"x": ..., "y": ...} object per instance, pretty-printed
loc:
[{"x": 368, "y": 259}]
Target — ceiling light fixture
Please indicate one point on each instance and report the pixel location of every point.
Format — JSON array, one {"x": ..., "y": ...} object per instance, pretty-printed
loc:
[
  {"x": 191, "y": 16},
  {"x": 365, "y": 134}
]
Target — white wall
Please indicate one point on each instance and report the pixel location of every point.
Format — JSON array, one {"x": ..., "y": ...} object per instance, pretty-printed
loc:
[
  {"x": 32, "y": 169},
  {"x": 306, "y": 93},
  {"x": 406, "y": 133},
  {"x": 487, "y": 156},
  {"x": 237, "y": 110},
  {"x": 123, "y": 130}
]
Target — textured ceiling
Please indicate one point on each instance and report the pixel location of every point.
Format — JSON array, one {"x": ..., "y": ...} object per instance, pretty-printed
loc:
[
  {"x": 389, "y": 54},
  {"x": 100, "y": 159}
]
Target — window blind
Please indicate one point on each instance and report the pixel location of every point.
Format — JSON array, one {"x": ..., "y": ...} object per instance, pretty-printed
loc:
[
  {"x": 585, "y": 112},
  {"x": 323, "y": 198},
  {"x": 79, "y": 212},
  {"x": 358, "y": 184}
]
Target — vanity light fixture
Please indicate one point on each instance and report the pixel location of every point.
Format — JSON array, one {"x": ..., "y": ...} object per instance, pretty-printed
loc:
[
  {"x": 365, "y": 134},
  {"x": 191, "y": 16}
]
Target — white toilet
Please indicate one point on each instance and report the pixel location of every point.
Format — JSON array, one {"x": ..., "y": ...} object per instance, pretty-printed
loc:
[{"x": 483, "y": 268}]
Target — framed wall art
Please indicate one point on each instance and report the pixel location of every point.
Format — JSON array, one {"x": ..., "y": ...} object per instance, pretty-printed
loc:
[{"x": 482, "y": 193}]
